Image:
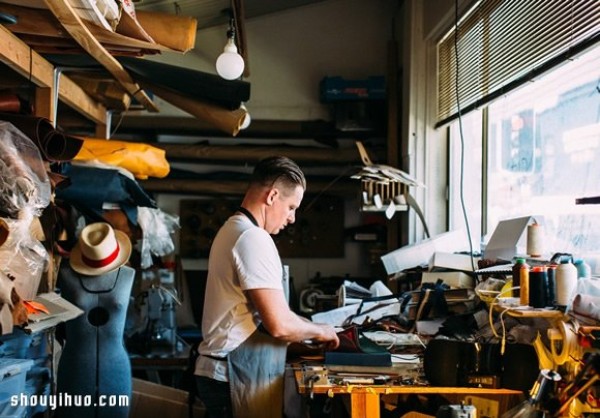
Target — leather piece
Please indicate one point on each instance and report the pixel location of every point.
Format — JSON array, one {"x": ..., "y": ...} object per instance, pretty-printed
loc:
[
  {"x": 54, "y": 145},
  {"x": 352, "y": 341},
  {"x": 188, "y": 83},
  {"x": 173, "y": 31},
  {"x": 228, "y": 121}
]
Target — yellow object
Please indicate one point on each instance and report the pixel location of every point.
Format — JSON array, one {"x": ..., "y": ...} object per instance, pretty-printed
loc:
[{"x": 141, "y": 159}]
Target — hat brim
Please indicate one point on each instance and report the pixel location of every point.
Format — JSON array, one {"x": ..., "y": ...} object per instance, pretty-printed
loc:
[{"x": 79, "y": 265}]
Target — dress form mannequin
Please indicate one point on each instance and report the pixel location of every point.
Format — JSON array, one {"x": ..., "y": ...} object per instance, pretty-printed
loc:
[
  {"x": 94, "y": 372},
  {"x": 94, "y": 361}
]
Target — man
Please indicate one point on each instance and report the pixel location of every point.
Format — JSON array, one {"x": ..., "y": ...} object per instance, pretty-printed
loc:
[{"x": 247, "y": 323}]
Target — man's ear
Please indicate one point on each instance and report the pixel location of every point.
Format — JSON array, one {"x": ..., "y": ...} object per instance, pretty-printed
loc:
[{"x": 273, "y": 193}]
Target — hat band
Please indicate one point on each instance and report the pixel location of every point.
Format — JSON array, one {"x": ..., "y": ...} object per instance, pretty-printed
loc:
[{"x": 101, "y": 263}]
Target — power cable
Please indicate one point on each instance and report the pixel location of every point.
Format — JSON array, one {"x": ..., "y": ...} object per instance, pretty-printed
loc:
[{"x": 462, "y": 141}]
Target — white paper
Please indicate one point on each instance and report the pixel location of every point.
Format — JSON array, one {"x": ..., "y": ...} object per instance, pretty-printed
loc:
[
  {"x": 338, "y": 316},
  {"x": 419, "y": 254},
  {"x": 380, "y": 289}
]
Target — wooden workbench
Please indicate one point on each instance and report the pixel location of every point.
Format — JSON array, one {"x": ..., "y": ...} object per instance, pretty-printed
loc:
[{"x": 365, "y": 399}]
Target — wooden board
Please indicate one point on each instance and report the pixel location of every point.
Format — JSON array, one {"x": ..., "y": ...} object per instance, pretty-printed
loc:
[{"x": 29, "y": 64}]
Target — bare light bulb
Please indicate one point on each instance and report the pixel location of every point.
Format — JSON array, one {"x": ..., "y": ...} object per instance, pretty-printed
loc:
[{"x": 230, "y": 64}]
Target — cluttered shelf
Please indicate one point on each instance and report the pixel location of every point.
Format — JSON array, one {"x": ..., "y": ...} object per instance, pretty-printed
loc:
[
  {"x": 17, "y": 55},
  {"x": 36, "y": 28}
]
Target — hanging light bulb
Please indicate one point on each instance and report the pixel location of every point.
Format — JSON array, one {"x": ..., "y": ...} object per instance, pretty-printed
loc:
[
  {"x": 247, "y": 118},
  {"x": 230, "y": 64}
]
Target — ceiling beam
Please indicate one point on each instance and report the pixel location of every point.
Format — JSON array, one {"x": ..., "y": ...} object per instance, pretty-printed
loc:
[{"x": 343, "y": 187}]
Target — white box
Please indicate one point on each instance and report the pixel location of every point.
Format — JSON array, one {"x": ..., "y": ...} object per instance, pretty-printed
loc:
[
  {"x": 451, "y": 278},
  {"x": 443, "y": 260},
  {"x": 419, "y": 254}
]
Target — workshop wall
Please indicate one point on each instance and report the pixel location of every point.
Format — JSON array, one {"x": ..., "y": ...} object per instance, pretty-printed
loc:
[{"x": 289, "y": 53}]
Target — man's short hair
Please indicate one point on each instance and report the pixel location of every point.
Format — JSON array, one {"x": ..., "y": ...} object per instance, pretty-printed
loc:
[{"x": 278, "y": 169}]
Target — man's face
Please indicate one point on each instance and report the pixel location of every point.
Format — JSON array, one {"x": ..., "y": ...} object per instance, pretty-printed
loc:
[{"x": 282, "y": 209}]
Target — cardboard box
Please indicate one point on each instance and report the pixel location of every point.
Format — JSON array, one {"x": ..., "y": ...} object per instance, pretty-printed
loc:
[{"x": 151, "y": 399}]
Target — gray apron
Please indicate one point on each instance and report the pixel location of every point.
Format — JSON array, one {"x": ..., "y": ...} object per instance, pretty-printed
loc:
[{"x": 256, "y": 375}]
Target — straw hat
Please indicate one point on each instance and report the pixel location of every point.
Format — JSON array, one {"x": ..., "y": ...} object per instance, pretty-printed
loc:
[{"x": 100, "y": 249}]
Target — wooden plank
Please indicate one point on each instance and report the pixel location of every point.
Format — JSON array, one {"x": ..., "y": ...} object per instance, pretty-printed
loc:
[
  {"x": 364, "y": 405},
  {"x": 77, "y": 29},
  {"x": 23, "y": 60},
  {"x": 44, "y": 103},
  {"x": 234, "y": 187},
  {"x": 29, "y": 64},
  {"x": 74, "y": 96},
  {"x": 252, "y": 154}
]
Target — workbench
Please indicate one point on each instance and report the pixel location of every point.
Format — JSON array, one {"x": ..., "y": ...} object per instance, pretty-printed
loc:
[{"x": 365, "y": 398}]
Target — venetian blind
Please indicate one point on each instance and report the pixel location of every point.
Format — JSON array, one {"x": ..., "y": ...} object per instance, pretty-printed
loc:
[{"x": 504, "y": 43}]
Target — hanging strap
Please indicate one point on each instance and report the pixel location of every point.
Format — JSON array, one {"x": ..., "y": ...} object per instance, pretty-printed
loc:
[{"x": 248, "y": 215}]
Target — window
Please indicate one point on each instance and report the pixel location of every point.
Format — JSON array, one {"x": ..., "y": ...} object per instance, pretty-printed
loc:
[{"x": 543, "y": 152}]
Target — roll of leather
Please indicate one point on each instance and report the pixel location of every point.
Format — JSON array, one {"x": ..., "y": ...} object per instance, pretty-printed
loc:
[
  {"x": 10, "y": 102},
  {"x": 192, "y": 84},
  {"x": 228, "y": 121},
  {"x": 54, "y": 145},
  {"x": 174, "y": 31}
]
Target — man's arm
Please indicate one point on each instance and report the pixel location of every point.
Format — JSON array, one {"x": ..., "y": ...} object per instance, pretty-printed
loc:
[{"x": 284, "y": 324}]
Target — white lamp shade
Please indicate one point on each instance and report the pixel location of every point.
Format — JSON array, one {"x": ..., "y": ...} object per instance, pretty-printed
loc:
[{"x": 230, "y": 64}]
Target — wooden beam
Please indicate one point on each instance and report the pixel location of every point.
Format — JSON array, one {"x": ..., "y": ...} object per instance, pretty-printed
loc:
[
  {"x": 319, "y": 130},
  {"x": 25, "y": 61},
  {"x": 237, "y": 187},
  {"x": 29, "y": 64},
  {"x": 241, "y": 154},
  {"x": 74, "y": 96},
  {"x": 77, "y": 29}
]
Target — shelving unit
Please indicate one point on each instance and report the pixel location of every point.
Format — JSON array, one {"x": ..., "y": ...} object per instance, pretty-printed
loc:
[
  {"x": 52, "y": 85},
  {"x": 29, "y": 64}
]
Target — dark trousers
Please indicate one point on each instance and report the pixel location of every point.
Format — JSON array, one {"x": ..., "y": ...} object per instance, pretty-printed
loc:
[{"x": 215, "y": 396}]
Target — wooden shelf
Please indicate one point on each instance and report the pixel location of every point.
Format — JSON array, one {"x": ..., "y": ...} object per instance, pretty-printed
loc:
[
  {"x": 29, "y": 64},
  {"x": 81, "y": 34}
]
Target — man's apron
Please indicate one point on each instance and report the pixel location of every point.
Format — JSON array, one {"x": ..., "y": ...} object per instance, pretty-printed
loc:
[{"x": 256, "y": 375}]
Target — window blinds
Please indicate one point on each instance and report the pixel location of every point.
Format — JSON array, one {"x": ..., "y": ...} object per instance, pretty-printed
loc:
[{"x": 504, "y": 43}]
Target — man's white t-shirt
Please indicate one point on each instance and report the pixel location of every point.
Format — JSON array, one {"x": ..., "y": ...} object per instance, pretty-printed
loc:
[{"x": 242, "y": 257}]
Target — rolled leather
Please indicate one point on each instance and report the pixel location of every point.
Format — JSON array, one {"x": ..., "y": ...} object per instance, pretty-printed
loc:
[{"x": 54, "y": 145}]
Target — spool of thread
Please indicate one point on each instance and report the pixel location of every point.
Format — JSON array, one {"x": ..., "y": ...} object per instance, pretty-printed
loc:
[
  {"x": 551, "y": 285},
  {"x": 516, "y": 276},
  {"x": 566, "y": 282},
  {"x": 538, "y": 279},
  {"x": 544, "y": 386},
  {"x": 535, "y": 240},
  {"x": 524, "y": 283}
]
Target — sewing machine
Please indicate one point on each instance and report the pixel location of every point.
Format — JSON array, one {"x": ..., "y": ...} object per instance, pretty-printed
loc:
[{"x": 157, "y": 332}]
